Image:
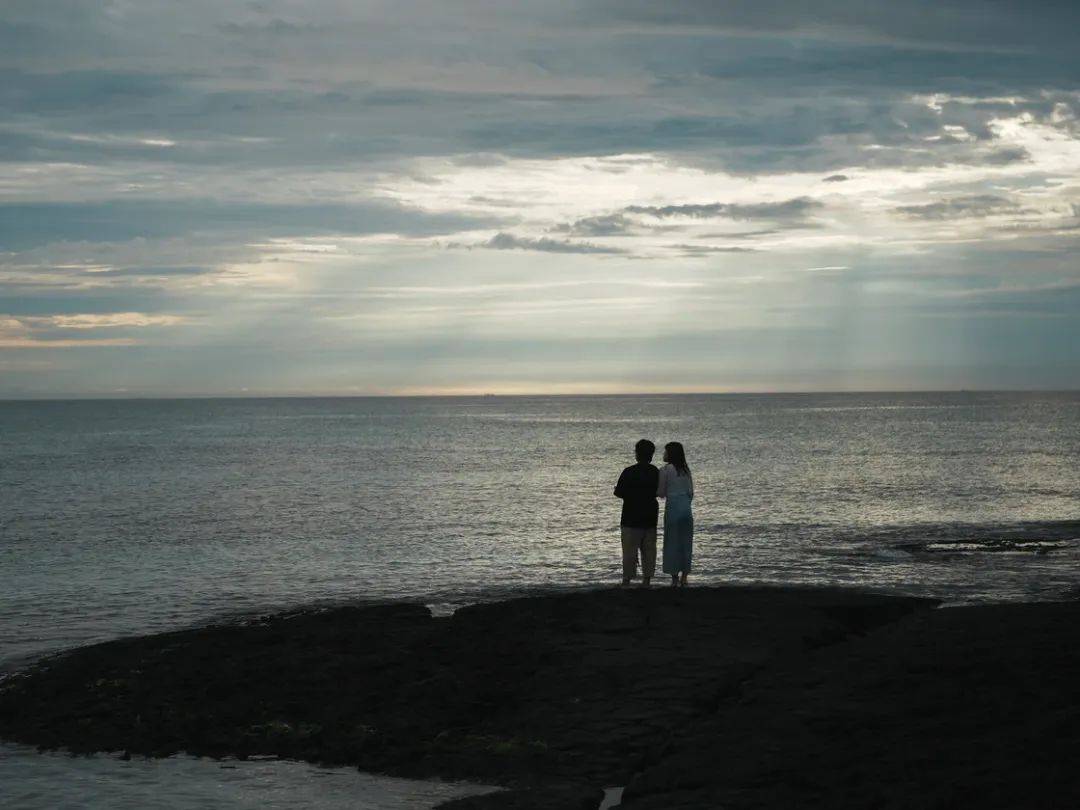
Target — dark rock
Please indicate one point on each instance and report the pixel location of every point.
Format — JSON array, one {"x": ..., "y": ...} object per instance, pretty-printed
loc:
[
  {"x": 956, "y": 708},
  {"x": 583, "y": 686},
  {"x": 732, "y": 698}
]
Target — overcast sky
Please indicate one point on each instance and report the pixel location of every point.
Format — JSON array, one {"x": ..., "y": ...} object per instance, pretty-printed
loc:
[{"x": 344, "y": 197}]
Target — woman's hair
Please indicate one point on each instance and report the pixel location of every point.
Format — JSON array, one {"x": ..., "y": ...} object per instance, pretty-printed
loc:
[{"x": 677, "y": 456}]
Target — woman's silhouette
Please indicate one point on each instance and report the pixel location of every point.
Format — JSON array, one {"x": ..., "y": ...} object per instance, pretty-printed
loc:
[{"x": 677, "y": 488}]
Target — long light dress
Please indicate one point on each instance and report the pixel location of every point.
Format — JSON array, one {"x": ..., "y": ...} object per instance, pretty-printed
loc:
[{"x": 678, "y": 492}]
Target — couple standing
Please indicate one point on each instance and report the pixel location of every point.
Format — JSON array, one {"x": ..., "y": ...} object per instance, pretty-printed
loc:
[{"x": 639, "y": 486}]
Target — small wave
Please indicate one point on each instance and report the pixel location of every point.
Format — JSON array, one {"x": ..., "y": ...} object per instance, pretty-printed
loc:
[
  {"x": 888, "y": 553},
  {"x": 998, "y": 545}
]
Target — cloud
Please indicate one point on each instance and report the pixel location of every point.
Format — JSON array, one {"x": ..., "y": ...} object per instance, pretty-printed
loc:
[
  {"x": 604, "y": 225},
  {"x": 106, "y": 320},
  {"x": 705, "y": 250},
  {"x": 28, "y": 224},
  {"x": 788, "y": 209},
  {"x": 506, "y": 241},
  {"x": 616, "y": 85},
  {"x": 760, "y": 232},
  {"x": 976, "y": 205},
  {"x": 163, "y": 158},
  {"x": 53, "y": 331},
  {"x": 929, "y": 23},
  {"x": 152, "y": 272},
  {"x": 84, "y": 91},
  {"x": 1003, "y": 157}
]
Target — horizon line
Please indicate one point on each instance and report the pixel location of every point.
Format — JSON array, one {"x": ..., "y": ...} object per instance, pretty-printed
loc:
[{"x": 126, "y": 397}]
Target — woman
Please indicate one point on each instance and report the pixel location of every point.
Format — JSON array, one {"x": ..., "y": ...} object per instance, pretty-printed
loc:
[{"x": 677, "y": 488}]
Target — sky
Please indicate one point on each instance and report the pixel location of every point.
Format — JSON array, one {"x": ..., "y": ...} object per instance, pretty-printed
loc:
[{"x": 337, "y": 197}]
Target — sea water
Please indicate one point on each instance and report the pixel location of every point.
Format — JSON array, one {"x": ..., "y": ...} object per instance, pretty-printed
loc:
[{"x": 122, "y": 517}]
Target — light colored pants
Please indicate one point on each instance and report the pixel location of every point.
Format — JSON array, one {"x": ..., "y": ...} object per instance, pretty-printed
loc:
[{"x": 636, "y": 541}]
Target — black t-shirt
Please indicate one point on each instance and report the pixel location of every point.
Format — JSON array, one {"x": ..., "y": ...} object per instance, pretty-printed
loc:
[{"x": 637, "y": 488}]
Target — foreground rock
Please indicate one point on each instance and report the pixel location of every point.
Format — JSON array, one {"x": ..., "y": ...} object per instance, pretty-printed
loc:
[
  {"x": 706, "y": 698},
  {"x": 576, "y": 688},
  {"x": 972, "y": 707}
]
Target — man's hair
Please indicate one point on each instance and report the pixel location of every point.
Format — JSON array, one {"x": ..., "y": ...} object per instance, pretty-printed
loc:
[{"x": 644, "y": 450}]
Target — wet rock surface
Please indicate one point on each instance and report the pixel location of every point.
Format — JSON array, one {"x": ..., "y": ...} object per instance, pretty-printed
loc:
[
  {"x": 733, "y": 697},
  {"x": 973, "y": 707}
]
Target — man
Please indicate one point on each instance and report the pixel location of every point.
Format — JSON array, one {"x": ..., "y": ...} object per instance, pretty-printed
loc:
[{"x": 637, "y": 488}]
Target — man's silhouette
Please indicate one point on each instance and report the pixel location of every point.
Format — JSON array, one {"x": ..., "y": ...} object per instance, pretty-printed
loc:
[{"x": 637, "y": 488}]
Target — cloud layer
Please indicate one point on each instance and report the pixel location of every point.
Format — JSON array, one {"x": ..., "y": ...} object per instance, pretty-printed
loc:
[{"x": 322, "y": 197}]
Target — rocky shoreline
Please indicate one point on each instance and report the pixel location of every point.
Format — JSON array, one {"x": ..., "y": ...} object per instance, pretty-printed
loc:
[{"x": 705, "y": 697}]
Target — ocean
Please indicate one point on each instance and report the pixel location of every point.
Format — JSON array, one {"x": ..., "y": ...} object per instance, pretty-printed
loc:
[{"x": 122, "y": 517}]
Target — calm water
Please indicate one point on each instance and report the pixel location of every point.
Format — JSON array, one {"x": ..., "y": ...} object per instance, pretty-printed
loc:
[
  {"x": 120, "y": 517},
  {"x": 53, "y": 781}
]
